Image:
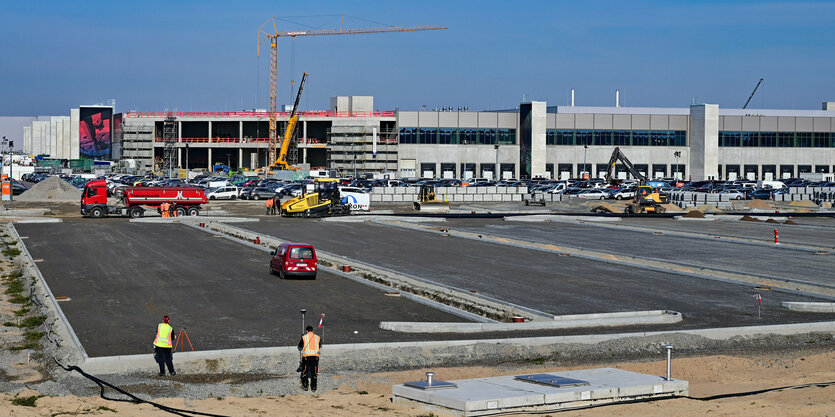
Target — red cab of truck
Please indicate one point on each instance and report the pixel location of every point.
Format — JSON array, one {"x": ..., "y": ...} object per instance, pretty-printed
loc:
[
  {"x": 294, "y": 260},
  {"x": 94, "y": 203}
]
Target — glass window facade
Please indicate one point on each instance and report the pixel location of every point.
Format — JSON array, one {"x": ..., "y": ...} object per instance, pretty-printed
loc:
[
  {"x": 427, "y": 136},
  {"x": 448, "y": 136},
  {"x": 408, "y": 135},
  {"x": 452, "y": 136},
  {"x": 603, "y": 137},
  {"x": 616, "y": 137},
  {"x": 777, "y": 139},
  {"x": 506, "y": 136}
]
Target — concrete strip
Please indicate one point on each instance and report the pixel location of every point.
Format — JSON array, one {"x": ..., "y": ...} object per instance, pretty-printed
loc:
[
  {"x": 34, "y": 220},
  {"x": 536, "y": 218},
  {"x": 192, "y": 219},
  {"x": 64, "y": 326},
  {"x": 789, "y": 285},
  {"x": 597, "y": 320},
  {"x": 372, "y": 217},
  {"x": 22, "y": 212},
  {"x": 809, "y": 307},
  {"x": 454, "y": 297},
  {"x": 413, "y": 355}
]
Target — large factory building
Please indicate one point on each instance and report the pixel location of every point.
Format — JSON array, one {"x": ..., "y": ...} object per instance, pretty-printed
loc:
[{"x": 700, "y": 141}]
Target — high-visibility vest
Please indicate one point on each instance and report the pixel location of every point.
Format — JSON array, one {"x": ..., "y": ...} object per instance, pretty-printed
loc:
[
  {"x": 163, "y": 338},
  {"x": 311, "y": 344},
  {"x": 269, "y": 203}
]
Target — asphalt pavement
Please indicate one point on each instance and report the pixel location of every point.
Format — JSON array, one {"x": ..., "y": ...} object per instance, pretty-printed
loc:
[
  {"x": 122, "y": 277},
  {"x": 542, "y": 281}
]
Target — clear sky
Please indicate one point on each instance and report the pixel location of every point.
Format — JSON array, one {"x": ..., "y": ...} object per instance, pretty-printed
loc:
[{"x": 201, "y": 55}]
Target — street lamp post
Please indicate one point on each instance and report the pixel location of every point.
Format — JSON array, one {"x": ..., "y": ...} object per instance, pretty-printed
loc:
[
  {"x": 497, "y": 176},
  {"x": 677, "y": 154},
  {"x": 585, "y": 147}
]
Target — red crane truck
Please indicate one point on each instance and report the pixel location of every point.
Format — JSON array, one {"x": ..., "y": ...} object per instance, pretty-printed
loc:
[{"x": 94, "y": 201}]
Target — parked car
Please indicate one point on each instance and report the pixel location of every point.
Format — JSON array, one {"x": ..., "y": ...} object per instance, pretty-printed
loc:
[
  {"x": 222, "y": 193},
  {"x": 593, "y": 194},
  {"x": 261, "y": 193},
  {"x": 767, "y": 194},
  {"x": 622, "y": 193},
  {"x": 731, "y": 194},
  {"x": 294, "y": 260}
]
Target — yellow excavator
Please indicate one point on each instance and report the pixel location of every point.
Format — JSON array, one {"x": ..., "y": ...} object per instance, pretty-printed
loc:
[
  {"x": 647, "y": 199},
  {"x": 324, "y": 200},
  {"x": 428, "y": 201}
]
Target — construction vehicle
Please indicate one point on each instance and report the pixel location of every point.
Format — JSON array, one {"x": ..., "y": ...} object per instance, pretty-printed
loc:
[
  {"x": 321, "y": 200},
  {"x": 428, "y": 201},
  {"x": 647, "y": 199},
  {"x": 129, "y": 200}
]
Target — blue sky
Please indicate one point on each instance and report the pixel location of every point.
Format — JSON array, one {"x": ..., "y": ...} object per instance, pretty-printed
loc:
[{"x": 201, "y": 56}]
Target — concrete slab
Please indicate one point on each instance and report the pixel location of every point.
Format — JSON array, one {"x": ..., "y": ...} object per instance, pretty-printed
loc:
[{"x": 507, "y": 394}]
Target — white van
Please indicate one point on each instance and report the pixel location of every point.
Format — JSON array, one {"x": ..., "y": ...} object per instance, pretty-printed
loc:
[{"x": 771, "y": 185}]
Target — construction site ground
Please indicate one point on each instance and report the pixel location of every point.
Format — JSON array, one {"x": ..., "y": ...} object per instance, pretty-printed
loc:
[{"x": 119, "y": 277}]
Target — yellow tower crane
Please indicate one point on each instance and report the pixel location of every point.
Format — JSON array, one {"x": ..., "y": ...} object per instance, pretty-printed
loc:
[{"x": 264, "y": 35}]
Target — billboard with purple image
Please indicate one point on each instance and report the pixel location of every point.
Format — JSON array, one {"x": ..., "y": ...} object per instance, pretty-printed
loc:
[{"x": 95, "y": 137}]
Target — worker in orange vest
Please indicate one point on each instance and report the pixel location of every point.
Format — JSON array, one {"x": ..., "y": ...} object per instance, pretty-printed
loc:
[
  {"x": 162, "y": 347},
  {"x": 164, "y": 209},
  {"x": 269, "y": 205},
  {"x": 310, "y": 346},
  {"x": 173, "y": 209}
]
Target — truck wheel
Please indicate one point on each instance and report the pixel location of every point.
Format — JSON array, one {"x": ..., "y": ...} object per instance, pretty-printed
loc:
[
  {"x": 136, "y": 212},
  {"x": 181, "y": 211},
  {"x": 193, "y": 211},
  {"x": 96, "y": 212}
]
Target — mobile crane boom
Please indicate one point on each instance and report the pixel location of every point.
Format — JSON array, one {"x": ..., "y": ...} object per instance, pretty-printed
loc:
[{"x": 281, "y": 158}]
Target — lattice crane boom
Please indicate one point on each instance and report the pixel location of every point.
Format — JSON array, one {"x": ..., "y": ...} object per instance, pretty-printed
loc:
[{"x": 272, "y": 37}]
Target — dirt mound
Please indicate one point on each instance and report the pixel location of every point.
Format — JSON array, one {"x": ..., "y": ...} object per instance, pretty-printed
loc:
[
  {"x": 760, "y": 204},
  {"x": 51, "y": 189},
  {"x": 804, "y": 203},
  {"x": 771, "y": 221},
  {"x": 706, "y": 208},
  {"x": 750, "y": 219},
  {"x": 606, "y": 208},
  {"x": 789, "y": 222},
  {"x": 694, "y": 214},
  {"x": 672, "y": 208}
]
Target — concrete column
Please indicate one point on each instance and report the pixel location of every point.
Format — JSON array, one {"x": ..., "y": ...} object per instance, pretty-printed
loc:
[
  {"x": 240, "y": 157},
  {"x": 241, "y": 132},
  {"x": 180, "y": 157},
  {"x": 210, "y": 158},
  {"x": 704, "y": 141},
  {"x": 304, "y": 155},
  {"x": 210, "y": 132},
  {"x": 304, "y": 132},
  {"x": 179, "y": 130}
]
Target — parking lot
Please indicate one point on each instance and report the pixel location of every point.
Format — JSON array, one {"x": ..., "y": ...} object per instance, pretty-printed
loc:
[
  {"x": 121, "y": 278},
  {"x": 539, "y": 280}
]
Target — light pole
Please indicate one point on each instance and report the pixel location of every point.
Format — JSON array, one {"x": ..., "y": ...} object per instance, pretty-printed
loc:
[
  {"x": 585, "y": 147},
  {"x": 2, "y": 152},
  {"x": 677, "y": 154},
  {"x": 497, "y": 177}
]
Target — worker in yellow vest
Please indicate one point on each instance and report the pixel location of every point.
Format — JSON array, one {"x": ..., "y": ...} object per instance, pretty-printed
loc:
[
  {"x": 310, "y": 346},
  {"x": 162, "y": 347}
]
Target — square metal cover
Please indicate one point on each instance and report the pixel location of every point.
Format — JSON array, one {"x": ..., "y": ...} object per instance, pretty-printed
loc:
[
  {"x": 551, "y": 380},
  {"x": 435, "y": 385}
]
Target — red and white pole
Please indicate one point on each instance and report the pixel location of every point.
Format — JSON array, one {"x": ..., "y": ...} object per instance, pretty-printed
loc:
[{"x": 776, "y": 237}]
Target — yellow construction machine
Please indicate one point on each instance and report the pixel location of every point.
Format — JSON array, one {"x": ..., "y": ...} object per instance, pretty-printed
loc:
[
  {"x": 323, "y": 200},
  {"x": 647, "y": 199},
  {"x": 428, "y": 201},
  {"x": 289, "y": 134}
]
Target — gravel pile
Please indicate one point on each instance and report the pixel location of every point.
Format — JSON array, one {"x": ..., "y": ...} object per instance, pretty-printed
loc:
[{"x": 51, "y": 189}]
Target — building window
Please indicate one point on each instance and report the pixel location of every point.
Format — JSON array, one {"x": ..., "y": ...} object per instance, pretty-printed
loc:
[
  {"x": 804, "y": 139},
  {"x": 729, "y": 139},
  {"x": 428, "y": 136},
  {"x": 467, "y": 136},
  {"x": 603, "y": 137},
  {"x": 659, "y": 138},
  {"x": 640, "y": 138},
  {"x": 565, "y": 137},
  {"x": 679, "y": 138},
  {"x": 486, "y": 137},
  {"x": 768, "y": 139},
  {"x": 448, "y": 136},
  {"x": 550, "y": 137},
  {"x": 506, "y": 136},
  {"x": 408, "y": 135},
  {"x": 750, "y": 139},
  {"x": 621, "y": 138},
  {"x": 583, "y": 137},
  {"x": 823, "y": 139},
  {"x": 785, "y": 139}
]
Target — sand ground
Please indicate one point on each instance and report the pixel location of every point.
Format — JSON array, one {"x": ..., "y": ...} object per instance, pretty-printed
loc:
[{"x": 370, "y": 394}]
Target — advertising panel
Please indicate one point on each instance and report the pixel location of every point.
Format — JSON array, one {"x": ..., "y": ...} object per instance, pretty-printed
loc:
[
  {"x": 95, "y": 134},
  {"x": 359, "y": 201}
]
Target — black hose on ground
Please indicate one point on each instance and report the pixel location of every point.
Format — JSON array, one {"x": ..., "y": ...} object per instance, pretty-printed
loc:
[{"x": 132, "y": 398}]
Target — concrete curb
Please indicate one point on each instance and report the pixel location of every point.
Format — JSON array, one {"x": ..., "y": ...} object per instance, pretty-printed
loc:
[
  {"x": 347, "y": 357},
  {"x": 192, "y": 219},
  {"x": 33, "y": 220},
  {"x": 536, "y": 218},
  {"x": 809, "y": 307},
  {"x": 577, "y": 321}
]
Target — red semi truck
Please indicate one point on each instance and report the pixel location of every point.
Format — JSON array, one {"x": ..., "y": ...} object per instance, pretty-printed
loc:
[{"x": 94, "y": 201}]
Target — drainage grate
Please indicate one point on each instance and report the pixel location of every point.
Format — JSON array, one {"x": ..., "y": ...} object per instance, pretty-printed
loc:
[{"x": 552, "y": 380}]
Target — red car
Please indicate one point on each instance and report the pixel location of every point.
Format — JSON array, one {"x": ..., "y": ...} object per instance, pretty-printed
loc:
[{"x": 294, "y": 260}]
